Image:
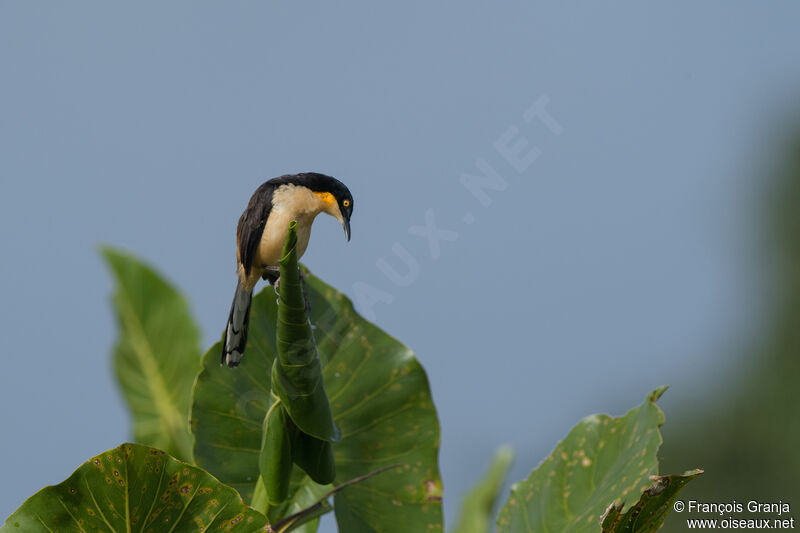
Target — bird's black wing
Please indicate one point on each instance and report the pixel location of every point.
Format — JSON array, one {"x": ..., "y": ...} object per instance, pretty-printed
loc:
[{"x": 252, "y": 223}]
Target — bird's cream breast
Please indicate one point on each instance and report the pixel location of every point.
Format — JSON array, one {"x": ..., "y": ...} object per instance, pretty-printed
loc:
[{"x": 289, "y": 202}]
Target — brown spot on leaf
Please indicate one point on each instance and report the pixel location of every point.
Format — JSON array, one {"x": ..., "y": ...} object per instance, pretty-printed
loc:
[{"x": 433, "y": 490}]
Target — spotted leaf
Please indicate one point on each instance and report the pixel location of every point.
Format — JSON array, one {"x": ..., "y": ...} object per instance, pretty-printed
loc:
[
  {"x": 647, "y": 514},
  {"x": 603, "y": 461},
  {"x": 135, "y": 488}
]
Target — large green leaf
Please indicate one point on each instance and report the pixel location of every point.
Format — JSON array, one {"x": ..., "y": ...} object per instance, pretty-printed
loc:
[
  {"x": 649, "y": 512},
  {"x": 135, "y": 488},
  {"x": 157, "y": 355},
  {"x": 478, "y": 506},
  {"x": 602, "y": 461},
  {"x": 380, "y": 399}
]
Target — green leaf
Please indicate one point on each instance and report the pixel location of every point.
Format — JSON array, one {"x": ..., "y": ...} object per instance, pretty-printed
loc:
[
  {"x": 135, "y": 487},
  {"x": 314, "y": 456},
  {"x": 275, "y": 461},
  {"x": 320, "y": 507},
  {"x": 379, "y": 396},
  {"x": 602, "y": 460},
  {"x": 477, "y": 508},
  {"x": 297, "y": 374},
  {"x": 157, "y": 354},
  {"x": 303, "y": 494},
  {"x": 648, "y": 513}
]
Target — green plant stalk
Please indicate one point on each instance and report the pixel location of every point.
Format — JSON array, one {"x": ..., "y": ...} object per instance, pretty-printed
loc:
[
  {"x": 275, "y": 460},
  {"x": 299, "y": 410},
  {"x": 260, "y": 502},
  {"x": 297, "y": 374}
]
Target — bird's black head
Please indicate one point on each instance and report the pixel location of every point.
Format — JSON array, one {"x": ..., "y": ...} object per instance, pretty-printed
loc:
[{"x": 331, "y": 190}]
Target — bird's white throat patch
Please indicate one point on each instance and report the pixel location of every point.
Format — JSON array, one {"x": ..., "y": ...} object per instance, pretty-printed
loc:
[
  {"x": 296, "y": 199},
  {"x": 293, "y": 202}
]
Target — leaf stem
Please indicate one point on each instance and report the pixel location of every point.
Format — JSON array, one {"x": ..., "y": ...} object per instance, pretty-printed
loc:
[{"x": 289, "y": 521}]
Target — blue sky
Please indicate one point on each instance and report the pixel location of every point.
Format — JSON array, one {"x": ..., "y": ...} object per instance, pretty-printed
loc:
[{"x": 616, "y": 258}]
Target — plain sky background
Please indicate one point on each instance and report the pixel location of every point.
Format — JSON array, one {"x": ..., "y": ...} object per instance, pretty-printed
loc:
[{"x": 620, "y": 260}]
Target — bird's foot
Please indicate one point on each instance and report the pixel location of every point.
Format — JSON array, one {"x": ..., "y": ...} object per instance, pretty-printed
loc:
[
  {"x": 276, "y": 285},
  {"x": 272, "y": 274}
]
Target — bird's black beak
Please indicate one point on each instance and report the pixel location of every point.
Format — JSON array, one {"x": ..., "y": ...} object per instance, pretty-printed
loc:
[{"x": 346, "y": 225}]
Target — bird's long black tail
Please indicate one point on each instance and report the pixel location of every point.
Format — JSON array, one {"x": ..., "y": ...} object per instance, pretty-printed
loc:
[{"x": 235, "y": 337}]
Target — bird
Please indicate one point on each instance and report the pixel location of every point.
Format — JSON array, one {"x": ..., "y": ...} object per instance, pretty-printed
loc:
[{"x": 261, "y": 233}]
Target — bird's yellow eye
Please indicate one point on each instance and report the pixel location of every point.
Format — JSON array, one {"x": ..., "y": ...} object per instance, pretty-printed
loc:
[{"x": 346, "y": 203}]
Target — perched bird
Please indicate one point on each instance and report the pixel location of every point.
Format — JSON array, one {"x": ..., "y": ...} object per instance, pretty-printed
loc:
[{"x": 262, "y": 232}]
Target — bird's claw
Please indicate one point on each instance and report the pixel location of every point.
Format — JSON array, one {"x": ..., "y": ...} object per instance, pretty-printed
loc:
[{"x": 276, "y": 284}]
